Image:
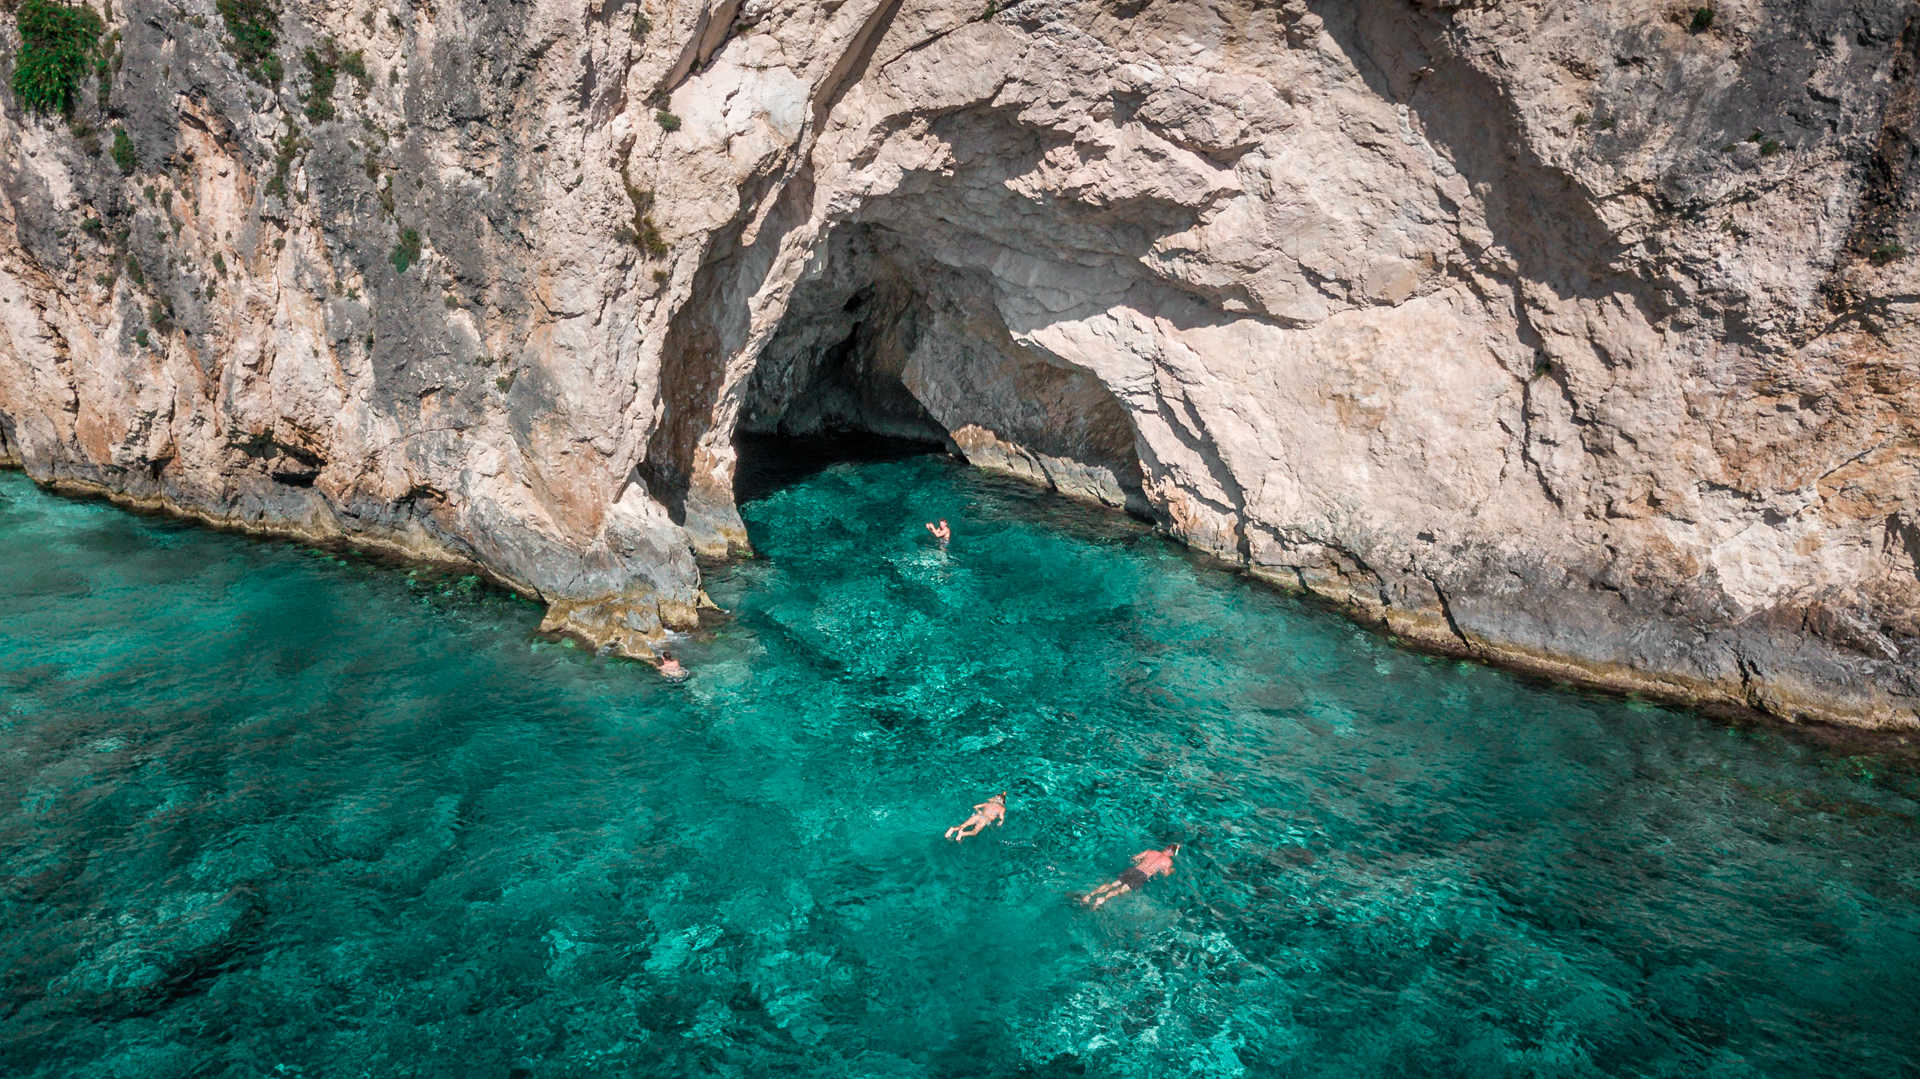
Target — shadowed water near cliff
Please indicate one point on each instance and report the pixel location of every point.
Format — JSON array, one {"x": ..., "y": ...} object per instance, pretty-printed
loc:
[{"x": 267, "y": 811}]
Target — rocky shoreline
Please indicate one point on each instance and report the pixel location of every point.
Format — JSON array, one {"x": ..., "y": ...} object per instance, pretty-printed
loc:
[{"x": 1812, "y": 721}]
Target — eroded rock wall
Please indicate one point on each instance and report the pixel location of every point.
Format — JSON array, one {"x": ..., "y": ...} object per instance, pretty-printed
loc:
[{"x": 1574, "y": 336}]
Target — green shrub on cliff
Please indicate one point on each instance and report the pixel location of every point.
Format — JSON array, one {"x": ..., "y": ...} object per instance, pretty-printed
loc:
[
  {"x": 407, "y": 251},
  {"x": 290, "y": 146},
  {"x": 644, "y": 234},
  {"x": 123, "y": 155},
  {"x": 108, "y": 65},
  {"x": 250, "y": 24},
  {"x": 56, "y": 41},
  {"x": 325, "y": 72},
  {"x": 325, "y": 64}
]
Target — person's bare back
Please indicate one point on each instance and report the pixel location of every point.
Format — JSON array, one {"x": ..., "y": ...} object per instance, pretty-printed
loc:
[
  {"x": 1147, "y": 865},
  {"x": 1155, "y": 863},
  {"x": 991, "y": 811}
]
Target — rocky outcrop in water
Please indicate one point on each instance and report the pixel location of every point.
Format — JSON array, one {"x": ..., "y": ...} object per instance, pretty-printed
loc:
[{"x": 1578, "y": 337}]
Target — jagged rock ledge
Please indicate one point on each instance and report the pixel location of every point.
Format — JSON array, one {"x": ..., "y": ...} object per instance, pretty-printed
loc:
[
  {"x": 1432, "y": 631},
  {"x": 629, "y": 625},
  {"x": 633, "y": 627}
]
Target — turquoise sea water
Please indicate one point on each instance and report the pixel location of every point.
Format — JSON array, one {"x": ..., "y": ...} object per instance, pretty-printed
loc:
[{"x": 270, "y": 812}]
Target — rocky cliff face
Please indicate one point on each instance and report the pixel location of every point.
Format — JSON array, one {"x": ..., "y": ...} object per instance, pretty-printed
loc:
[{"x": 1579, "y": 337}]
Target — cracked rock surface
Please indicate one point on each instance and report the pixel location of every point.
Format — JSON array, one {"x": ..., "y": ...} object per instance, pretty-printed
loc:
[{"x": 1576, "y": 337}]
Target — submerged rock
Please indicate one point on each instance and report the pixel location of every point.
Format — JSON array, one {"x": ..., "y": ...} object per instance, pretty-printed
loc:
[
  {"x": 1577, "y": 338},
  {"x": 140, "y": 960}
]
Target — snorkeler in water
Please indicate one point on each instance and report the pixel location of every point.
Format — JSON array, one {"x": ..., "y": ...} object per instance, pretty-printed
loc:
[
  {"x": 1146, "y": 865},
  {"x": 670, "y": 668},
  {"x": 940, "y": 532},
  {"x": 991, "y": 811}
]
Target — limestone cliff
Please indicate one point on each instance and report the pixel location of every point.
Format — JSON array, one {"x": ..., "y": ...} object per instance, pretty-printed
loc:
[{"x": 1579, "y": 337}]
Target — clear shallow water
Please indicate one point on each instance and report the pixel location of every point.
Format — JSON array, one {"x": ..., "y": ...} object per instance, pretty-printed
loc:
[{"x": 265, "y": 811}]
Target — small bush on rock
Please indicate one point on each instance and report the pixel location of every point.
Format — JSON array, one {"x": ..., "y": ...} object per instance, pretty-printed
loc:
[
  {"x": 325, "y": 65},
  {"x": 644, "y": 233},
  {"x": 1885, "y": 253},
  {"x": 283, "y": 162},
  {"x": 107, "y": 66},
  {"x": 1702, "y": 20},
  {"x": 407, "y": 251},
  {"x": 123, "y": 155},
  {"x": 56, "y": 42},
  {"x": 320, "y": 98},
  {"x": 252, "y": 37}
]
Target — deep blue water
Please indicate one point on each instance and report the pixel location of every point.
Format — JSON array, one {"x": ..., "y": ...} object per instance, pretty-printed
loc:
[{"x": 266, "y": 811}]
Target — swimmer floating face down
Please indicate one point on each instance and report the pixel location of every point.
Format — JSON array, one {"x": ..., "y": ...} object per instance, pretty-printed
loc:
[
  {"x": 1147, "y": 865},
  {"x": 992, "y": 811}
]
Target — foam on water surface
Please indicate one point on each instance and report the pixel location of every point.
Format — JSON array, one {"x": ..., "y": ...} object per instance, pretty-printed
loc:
[{"x": 265, "y": 811}]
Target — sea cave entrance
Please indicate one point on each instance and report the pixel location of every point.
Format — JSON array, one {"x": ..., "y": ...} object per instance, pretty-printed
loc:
[{"x": 884, "y": 353}]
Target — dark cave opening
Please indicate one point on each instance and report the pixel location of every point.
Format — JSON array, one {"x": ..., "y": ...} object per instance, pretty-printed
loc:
[
  {"x": 838, "y": 367},
  {"x": 889, "y": 349},
  {"x": 830, "y": 389},
  {"x": 769, "y": 463}
]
